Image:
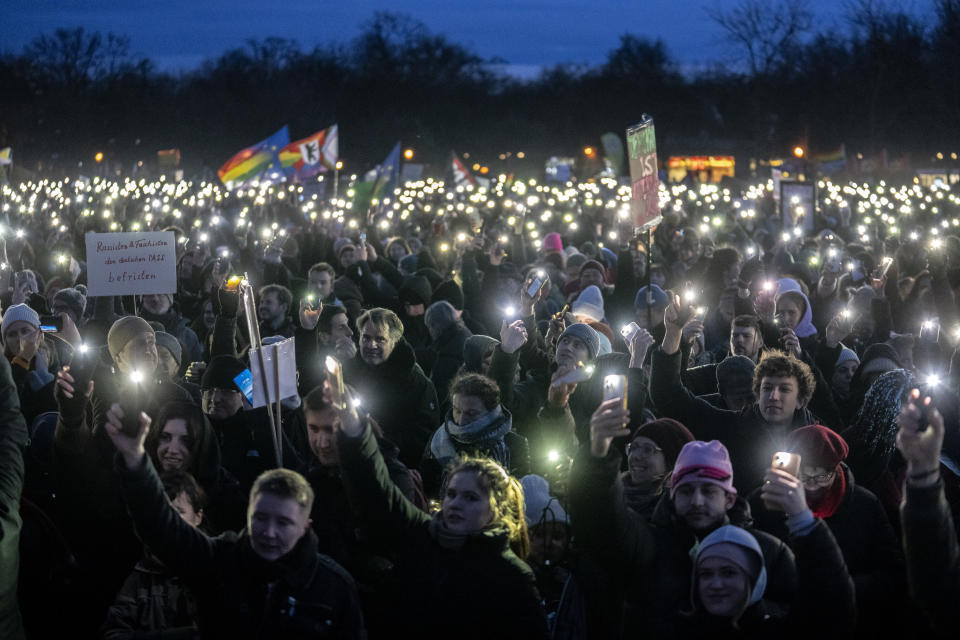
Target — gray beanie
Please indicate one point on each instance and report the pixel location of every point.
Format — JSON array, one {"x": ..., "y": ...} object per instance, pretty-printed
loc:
[
  {"x": 585, "y": 334},
  {"x": 72, "y": 299},
  {"x": 16, "y": 313},
  {"x": 123, "y": 331},
  {"x": 171, "y": 344}
]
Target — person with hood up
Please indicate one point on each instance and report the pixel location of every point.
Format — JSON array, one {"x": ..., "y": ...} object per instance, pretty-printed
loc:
[
  {"x": 788, "y": 322},
  {"x": 651, "y": 561},
  {"x": 730, "y": 582},
  {"x": 877, "y": 360},
  {"x": 857, "y": 520},
  {"x": 392, "y": 386},
  {"x": 448, "y": 336},
  {"x": 476, "y": 425}
]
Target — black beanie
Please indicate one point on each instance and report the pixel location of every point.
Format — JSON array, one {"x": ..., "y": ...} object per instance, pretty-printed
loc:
[
  {"x": 451, "y": 292},
  {"x": 220, "y": 373}
]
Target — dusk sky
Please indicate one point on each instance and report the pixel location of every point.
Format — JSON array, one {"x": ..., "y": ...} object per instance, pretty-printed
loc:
[{"x": 179, "y": 34}]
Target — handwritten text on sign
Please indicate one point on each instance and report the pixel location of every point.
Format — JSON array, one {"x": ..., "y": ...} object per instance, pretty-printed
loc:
[
  {"x": 131, "y": 263},
  {"x": 642, "y": 146}
]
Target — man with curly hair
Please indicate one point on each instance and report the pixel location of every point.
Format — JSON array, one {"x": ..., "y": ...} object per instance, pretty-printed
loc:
[{"x": 783, "y": 386}]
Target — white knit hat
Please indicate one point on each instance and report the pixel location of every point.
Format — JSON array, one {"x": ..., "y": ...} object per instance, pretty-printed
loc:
[
  {"x": 19, "y": 312},
  {"x": 539, "y": 504}
]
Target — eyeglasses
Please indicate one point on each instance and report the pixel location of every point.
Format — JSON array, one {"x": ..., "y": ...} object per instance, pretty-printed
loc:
[
  {"x": 645, "y": 450},
  {"x": 821, "y": 478}
]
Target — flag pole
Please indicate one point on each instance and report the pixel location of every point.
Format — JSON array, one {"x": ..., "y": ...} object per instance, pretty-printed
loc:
[{"x": 254, "y": 330}]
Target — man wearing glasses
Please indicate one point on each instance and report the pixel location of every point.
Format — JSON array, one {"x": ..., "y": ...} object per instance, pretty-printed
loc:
[{"x": 858, "y": 522}]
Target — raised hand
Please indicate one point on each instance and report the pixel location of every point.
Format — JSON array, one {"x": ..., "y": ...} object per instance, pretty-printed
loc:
[
  {"x": 783, "y": 492},
  {"x": 609, "y": 421},
  {"x": 128, "y": 444},
  {"x": 309, "y": 317},
  {"x": 920, "y": 444},
  {"x": 512, "y": 335}
]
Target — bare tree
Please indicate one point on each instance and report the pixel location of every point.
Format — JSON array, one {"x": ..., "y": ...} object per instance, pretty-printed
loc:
[{"x": 764, "y": 31}]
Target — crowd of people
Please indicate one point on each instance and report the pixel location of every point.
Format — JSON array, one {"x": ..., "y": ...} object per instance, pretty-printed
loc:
[{"x": 514, "y": 416}]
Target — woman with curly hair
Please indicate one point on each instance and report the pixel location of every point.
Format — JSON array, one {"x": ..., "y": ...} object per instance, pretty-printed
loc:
[{"x": 460, "y": 571}]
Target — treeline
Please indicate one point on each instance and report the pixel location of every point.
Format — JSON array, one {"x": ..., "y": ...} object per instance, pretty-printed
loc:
[{"x": 889, "y": 80}]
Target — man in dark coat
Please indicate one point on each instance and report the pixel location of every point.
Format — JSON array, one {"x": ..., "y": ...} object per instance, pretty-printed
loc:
[
  {"x": 392, "y": 386},
  {"x": 783, "y": 386},
  {"x": 269, "y": 580}
]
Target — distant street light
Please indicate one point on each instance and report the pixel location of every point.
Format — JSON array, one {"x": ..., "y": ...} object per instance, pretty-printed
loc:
[
  {"x": 798, "y": 151},
  {"x": 408, "y": 154},
  {"x": 99, "y": 156},
  {"x": 589, "y": 152}
]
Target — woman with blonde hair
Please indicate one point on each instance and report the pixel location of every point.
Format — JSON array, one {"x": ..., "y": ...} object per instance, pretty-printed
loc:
[{"x": 460, "y": 571}]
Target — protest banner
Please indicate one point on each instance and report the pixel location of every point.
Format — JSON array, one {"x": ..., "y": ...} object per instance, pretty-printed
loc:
[
  {"x": 120, "y": 264},
  {"x": 645, "y": 200}
]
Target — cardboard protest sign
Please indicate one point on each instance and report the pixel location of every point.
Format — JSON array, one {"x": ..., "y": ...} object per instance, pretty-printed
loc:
[
  {"x": 120, "y": 264},
  {"x": 281, "y": 358},
  {"x": 642, "y": 149}
]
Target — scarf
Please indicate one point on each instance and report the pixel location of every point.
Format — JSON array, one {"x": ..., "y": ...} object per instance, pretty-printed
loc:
[
  {"x": 483, "y": 434},
  {"x": 637, "y": 498},
  {"x": 827, "y": 505}
]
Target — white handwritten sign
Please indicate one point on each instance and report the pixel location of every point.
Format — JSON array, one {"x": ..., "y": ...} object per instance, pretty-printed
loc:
[{"x": 121, "y": 264}]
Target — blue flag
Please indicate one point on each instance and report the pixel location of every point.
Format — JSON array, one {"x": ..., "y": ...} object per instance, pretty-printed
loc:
[{"x": 387, "y": 174}]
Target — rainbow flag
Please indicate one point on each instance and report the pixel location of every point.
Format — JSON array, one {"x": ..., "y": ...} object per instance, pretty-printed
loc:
[
  {"x": 832, "y": 161},
  {"x": 311, "y": 155},
  {"x": 254, "y": 161}
]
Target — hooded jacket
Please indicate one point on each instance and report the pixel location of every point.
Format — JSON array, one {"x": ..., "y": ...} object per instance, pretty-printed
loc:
[
  {"x": 239, "y": 594},
  {"x": 176, "y": 325},
  {"x": 652, "y": 562},
  {"x": 399, "y": 397}
]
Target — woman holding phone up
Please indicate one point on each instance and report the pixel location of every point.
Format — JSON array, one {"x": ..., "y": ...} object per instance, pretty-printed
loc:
[{"x": 461, "y": 571}]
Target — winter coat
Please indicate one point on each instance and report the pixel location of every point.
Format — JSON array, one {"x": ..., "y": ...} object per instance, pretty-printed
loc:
[
  {"x": 247, "y": 446},
  {"x": 89, "y": 503},
  {"x": 179, "y": 327},
  {"x": 479, "y": 590},
  {"x": 13, "y": 440},
  {"x": 151, "y": 603},
  {"x": 824, "y": 606},
  {"x": 432, "y": 470},
  {"x": 748, "y": 438},
  {"x": 933, "y": 555},
  {"x": 652, "y": 561},
  {"x": 870, "y": 549},
  {"x": 240, "y": 595},
  {"x": 448, "y": 349},
  {"x": 400, "y": 398}
]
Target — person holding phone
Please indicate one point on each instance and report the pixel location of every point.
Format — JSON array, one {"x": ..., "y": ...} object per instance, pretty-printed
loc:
[
  {"x": 652, "y": 560},
  {"x": 32, "y": 359},
  {"x": 857, "y": 520}
]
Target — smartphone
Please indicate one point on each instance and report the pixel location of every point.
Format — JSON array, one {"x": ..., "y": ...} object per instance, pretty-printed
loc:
[
  {"x": 789, "y": 462},
  {"x": 311, "y": 300},
  {"x": 628, "y": 331},
  {"x": 83, "y": 362},
  {"x": 930, "y": 330},
  {"x": 132, "y": 402},
  {"x": 51, "y": 324},
  {"x": 700, "y": 313},
  {"x": 615, "y": 388},
  {"x": 335, "y": 378},
  {"x": 536, "y": 283},
  {"x": 363, "y": 238},
  {"x": 923, "y": 403},
  {"x": 579, "y": 374},
  {"x": 886, "y": 264},
  {"x": 233, "y": 284}
]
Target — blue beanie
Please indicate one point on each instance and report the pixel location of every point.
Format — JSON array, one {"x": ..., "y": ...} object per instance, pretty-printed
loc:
[
  {"x": 659, "y": 297},
  {"x": 585, "y": 334}
]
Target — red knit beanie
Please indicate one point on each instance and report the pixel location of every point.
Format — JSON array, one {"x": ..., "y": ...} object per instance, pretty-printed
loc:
[{"x": 818, "y": 446}]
